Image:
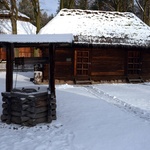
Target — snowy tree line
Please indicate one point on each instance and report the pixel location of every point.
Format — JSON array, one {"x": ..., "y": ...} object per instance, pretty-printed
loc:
[
  {"x": 39, "y": 17},
  {"x": 141, "y": 8}
]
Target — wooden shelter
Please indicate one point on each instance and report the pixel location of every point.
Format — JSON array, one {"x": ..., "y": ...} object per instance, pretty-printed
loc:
[
  {"x": 108, "y": 46},
  {"x": 29, "y": 106}
]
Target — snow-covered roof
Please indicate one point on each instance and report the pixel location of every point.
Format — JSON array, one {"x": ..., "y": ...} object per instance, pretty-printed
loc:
[
  {"x": 23, "y": 26},
  {"x": 36, "y": 38},
  {"x": 7, "y": 12},
  {"x": 100, "y": 27}
]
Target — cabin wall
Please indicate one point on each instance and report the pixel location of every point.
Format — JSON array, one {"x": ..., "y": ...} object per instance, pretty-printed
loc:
[
  {"x": 105, "y": 63},
  {"x": 108, "y": 64},
  {"x": 146, "y": 64},
  {"x": 64, "y": 58}
]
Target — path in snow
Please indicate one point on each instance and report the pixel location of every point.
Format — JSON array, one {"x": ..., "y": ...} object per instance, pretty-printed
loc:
[{"x": 118, "y": 102}]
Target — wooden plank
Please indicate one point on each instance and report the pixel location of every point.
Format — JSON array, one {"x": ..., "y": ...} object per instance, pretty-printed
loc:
[
  {"x": 16, "y": 106},
  {"x": 19, "y": 120},
  {"x": 19, "y": 114},
  {"x": 31, "y": 60},
  {"x": 37, "y": 115},
  {"x": 33, "y": 122},
  {"x": 37, "y": 110}
]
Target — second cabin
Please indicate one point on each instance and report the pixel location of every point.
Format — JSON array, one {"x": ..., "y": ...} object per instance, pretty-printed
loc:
[{"x": 108, "y": 46}]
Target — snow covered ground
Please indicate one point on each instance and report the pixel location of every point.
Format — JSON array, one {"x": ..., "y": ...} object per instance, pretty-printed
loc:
[{"x": 89, "y": 117}]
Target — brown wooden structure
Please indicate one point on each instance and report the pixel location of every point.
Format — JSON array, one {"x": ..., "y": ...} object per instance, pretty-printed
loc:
[
  {"x": 29, "y": 99},
  {"x": 108, "y": 46},
  {"x": 84, "y": 64}
]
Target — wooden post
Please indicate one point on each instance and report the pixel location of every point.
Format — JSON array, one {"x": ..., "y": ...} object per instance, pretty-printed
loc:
[
  {"x": 9, "y": 66},
  {"x": 52, "y": 70},
  {"x": 51, "y": 91}
]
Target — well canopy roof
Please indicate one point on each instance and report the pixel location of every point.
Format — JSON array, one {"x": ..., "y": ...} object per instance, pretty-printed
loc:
[{"x": 35, "y": 39}]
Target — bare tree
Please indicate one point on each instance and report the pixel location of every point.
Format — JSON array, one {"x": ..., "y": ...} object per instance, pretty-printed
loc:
[
  {"x": 14, "y": 16},
  {"x": 37, "y": 14},
  {"x": 13, "y": 11},
  {"x": 70, "y": 4},
  {"x": 144, "y": 6}
]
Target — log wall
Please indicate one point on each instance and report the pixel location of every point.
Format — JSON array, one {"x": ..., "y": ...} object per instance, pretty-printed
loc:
[
  {"x": 107, "y": 64},
  {"x": 146, "y": 64},
  {"x": 64, "y": 60}
]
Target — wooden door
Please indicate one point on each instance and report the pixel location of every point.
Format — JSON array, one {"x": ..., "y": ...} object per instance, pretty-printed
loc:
[
  {"x": 134, "y": 65},
  {"x": 82, "y": 63}
]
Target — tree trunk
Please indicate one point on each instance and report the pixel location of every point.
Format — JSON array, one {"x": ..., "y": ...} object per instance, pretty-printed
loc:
[
  {"x": 37, "y": 14},
  {"x": 14, "y": 16},
  {"x": 61, "y": 4}
]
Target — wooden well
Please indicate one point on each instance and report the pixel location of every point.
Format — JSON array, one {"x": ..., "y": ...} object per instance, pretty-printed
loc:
[{"x": 28, "y": 106}]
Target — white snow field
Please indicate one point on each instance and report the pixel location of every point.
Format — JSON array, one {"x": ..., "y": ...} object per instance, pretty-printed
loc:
[{"x": 89, "y": 117}]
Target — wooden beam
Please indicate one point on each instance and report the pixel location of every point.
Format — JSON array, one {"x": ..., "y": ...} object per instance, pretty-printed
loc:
[
  {"x": 51, "y": 70},
  {"x": 31, "y": 60},
  {"x": 9, "y": 66}
]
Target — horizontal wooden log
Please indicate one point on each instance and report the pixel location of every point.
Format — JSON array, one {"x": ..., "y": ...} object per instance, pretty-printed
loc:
[
  {"x": 54, "y": 117},
  {"x": 37, "y": 110},
  {"x": 15, "y": 106},
  {"x": 53, "y": 112},
  {"x": 40, "y": 94},
  {"x": 31, "y": 60},
  {"x": 5, "y": 111},
  {"x": 37, "y": 115},
  {"x": 19, "y": 114},
  {"x": 19, "y": 120},
  {"x": 38, "y": 103},
  {"x": 4, "y": 117},
  {"x": 33, "y": 122},
  {"x": 4, "y": 105},
  {"x": 53, "y": 106},
  {"x": 5, "y": 94},
  {"x": 19, "y": 100},
  {"x": 53, "y": 100}
]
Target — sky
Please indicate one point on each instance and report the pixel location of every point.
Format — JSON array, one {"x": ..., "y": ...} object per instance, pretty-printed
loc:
[{"x": 50, "y": 6}]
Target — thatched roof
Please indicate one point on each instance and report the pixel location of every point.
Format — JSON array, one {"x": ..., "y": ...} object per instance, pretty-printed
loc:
[{"x": 100, "y": 27}]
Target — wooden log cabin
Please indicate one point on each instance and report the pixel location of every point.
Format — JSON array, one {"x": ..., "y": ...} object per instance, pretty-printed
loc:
[{"x": 108, "y": 46}]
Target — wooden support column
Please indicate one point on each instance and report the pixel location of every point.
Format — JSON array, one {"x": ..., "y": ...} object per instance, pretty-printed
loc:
[
  {"x": 52, "y": 70},
  {"x": 9, "y": 66}
]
